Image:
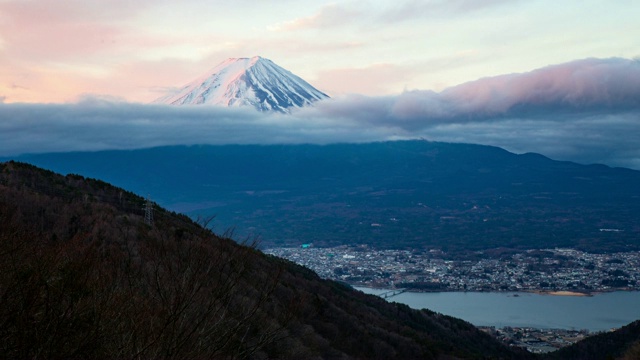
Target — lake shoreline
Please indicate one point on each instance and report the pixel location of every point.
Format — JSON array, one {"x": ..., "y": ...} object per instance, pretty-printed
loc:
[
  {"x": 562, "y": 293},
  {"x": 579, "y": 293}
]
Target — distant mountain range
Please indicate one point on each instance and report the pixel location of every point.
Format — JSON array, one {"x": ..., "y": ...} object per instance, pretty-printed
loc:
[
  {"x": 256, "y": 82},
  {"x": 405, "y": 194}
]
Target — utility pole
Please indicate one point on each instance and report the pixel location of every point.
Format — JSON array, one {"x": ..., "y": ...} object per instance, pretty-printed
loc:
[{"x": 148, "y": 212}]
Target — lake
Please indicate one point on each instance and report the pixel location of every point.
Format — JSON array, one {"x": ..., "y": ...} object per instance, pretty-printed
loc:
[{"x": 595, "y": 313}]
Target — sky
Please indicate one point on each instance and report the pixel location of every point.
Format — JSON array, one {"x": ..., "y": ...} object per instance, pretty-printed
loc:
[
  {"x": 61, "y": 50},
  {"x": 561, "y": 78}
]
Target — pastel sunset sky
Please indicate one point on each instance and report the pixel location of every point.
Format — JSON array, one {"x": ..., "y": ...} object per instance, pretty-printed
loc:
[{"x": 59, "y": 51}]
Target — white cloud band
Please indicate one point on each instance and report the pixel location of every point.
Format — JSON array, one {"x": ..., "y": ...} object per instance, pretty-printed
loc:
[{"x": 586, "y": 111}]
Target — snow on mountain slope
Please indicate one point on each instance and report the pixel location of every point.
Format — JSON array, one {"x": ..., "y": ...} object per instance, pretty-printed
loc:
[{"x": 255, "y": 81}]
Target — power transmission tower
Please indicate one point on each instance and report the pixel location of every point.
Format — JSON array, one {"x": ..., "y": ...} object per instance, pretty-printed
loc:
[{"x": 148, "y": 212}]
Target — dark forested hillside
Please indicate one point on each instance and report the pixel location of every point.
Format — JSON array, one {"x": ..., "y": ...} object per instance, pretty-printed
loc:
[{"x": 83, "y": 275}]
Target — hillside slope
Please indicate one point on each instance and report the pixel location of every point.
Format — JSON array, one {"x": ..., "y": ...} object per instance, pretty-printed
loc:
[{"x": 83, "y": 275}]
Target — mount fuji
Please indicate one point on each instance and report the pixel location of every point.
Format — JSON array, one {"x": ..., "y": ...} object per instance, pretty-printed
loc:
[{"x": 256, "y": 82}]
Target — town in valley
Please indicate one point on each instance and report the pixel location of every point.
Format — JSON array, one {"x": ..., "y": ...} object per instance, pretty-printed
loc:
[
  {"x": 556, "y": 271},
  {"x": 549, "y": 271}
]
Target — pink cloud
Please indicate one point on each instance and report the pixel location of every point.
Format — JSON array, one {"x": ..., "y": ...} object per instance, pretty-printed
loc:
[
  {"x": 578, "y": 84},
  {"x": 589, "y": 86}
]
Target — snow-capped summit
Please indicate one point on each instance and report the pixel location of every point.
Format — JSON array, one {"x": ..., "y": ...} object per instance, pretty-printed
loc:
[{"x": 255, "y": 81}]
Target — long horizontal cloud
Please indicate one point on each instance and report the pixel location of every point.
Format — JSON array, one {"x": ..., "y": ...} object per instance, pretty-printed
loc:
[
  {"x": 586, "y": 111},
  {"x": 583, "y": 86}
]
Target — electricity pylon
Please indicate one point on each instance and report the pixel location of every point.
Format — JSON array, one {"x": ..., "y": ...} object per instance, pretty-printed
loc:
[{"x": 148, "y": 212}]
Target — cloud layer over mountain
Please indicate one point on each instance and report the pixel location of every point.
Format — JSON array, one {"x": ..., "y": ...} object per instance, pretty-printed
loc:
[{"x": 586, "y": 111}]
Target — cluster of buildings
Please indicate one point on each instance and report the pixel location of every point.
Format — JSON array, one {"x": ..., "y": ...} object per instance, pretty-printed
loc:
[
  {"x": 550, "y": 270},
  {"x": 537, "y": 340}
]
